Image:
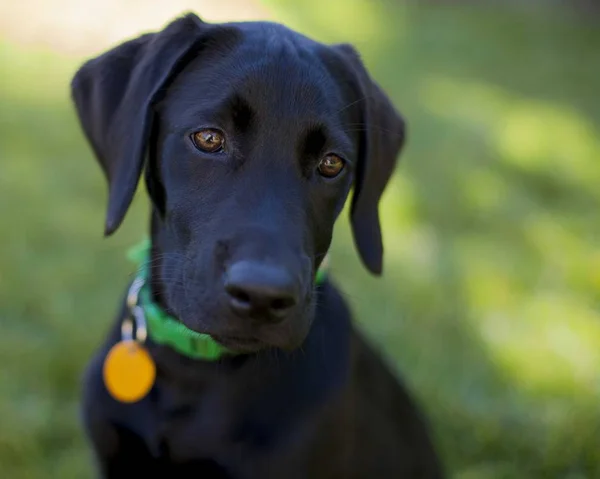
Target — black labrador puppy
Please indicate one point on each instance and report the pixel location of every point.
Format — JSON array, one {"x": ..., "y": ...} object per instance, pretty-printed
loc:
[{"x": 250, "y": 137}]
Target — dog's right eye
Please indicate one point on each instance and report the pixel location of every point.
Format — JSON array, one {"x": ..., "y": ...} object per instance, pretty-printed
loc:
[{"x": 209, "y": 140}]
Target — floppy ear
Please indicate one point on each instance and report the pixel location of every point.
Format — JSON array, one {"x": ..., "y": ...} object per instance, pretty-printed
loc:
[
  {"x": 381, "y": 138},
  {"x": 114, "y": 94}
]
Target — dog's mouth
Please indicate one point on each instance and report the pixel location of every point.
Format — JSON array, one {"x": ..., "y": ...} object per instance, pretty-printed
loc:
[{"x": 240, "y": 344}]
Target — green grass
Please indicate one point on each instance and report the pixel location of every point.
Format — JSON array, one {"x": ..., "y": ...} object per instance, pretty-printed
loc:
[{"x": 490, "y": 305}]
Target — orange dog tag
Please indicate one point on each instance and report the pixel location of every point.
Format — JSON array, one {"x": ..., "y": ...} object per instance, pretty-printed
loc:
[{"x": 129, "y": 371}]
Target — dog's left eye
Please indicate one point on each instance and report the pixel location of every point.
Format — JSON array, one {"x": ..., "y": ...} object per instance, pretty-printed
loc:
[
  {"x": 209, "y": 140},
  {"x": 331, "y": 166}
]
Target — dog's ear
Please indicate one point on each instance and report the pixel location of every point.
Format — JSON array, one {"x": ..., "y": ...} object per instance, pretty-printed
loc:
[
  {"x": 114, "y": 94},
  {"x": 382, "y": 133}
]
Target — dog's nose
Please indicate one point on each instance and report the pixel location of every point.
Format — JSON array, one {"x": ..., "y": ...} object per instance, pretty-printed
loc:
[{"x": 260, "y": 290}]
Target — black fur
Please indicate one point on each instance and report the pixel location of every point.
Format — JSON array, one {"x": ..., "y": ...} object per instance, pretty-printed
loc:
[{"x": 307, "y": 398}]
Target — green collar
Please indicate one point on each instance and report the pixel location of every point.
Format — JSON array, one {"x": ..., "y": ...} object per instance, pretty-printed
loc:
[{"x": 166, "y": 330}]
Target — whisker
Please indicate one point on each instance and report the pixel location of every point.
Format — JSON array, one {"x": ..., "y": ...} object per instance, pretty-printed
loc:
[
  {"x": 345, "y": 107},
  {"x": 385, "y": 130}
]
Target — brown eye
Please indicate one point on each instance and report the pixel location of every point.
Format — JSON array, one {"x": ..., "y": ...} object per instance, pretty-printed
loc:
[
  {"x": 331, "y": 166},
  {"x": 209, "y": 140}
]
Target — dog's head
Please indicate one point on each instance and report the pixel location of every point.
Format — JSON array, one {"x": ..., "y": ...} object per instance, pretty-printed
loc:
[{"x": 251, "y": 137}]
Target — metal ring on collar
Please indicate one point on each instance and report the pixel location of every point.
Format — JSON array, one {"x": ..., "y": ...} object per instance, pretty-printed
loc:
[{"x": 135, "y": 312}]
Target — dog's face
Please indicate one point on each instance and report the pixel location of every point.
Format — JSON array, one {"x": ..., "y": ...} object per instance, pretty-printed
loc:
[
  {"x": 255, "y": 170},
  {"x": 252, "y": 137}
]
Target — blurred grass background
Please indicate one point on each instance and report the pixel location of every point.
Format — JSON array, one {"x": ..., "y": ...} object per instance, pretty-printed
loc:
[{"x": 490, "y": 304}]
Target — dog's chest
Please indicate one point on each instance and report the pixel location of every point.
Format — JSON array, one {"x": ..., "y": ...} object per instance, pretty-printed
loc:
[
  {"x": 194, "y": 430},
  {"x": 185, "y": 426}
]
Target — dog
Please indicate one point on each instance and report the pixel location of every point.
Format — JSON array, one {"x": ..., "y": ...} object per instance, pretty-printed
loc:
[{"x": 250, "y": 137}]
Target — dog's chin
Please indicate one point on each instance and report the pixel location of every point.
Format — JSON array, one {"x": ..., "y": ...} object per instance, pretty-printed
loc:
[
  {"x": 237, "y": 342},
  {"x": 245, "y": 339}
]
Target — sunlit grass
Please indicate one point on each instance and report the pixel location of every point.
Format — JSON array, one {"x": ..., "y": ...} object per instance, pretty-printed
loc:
[{"x": 530, "y": 134}]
